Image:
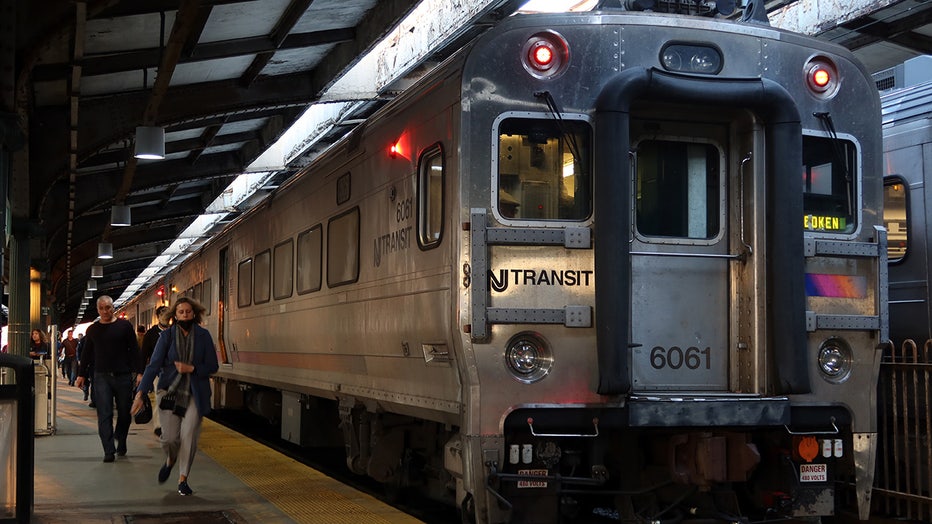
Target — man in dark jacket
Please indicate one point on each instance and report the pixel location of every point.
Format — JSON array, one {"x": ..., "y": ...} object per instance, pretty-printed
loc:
[
  {"x": 148, "y": 346},
  {"x": 110, "y": 347}
]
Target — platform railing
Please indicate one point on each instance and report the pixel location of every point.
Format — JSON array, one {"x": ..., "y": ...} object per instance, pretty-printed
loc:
[{"x": 903, "y": 480}]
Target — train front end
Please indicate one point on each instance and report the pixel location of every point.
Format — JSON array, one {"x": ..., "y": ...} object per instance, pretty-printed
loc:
[{"x": 673, "y": 272}]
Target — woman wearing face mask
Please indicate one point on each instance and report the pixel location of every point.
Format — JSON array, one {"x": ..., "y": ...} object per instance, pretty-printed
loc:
[{"x": 184, "y": 358}]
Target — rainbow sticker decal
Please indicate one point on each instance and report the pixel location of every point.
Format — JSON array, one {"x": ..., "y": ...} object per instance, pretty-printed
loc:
[{"x": 836, "y": 286}]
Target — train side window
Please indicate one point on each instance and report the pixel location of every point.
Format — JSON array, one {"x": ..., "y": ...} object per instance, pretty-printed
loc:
[
  {"x": 207, "y": 297},
  {"x": 896, "y": 217},
  {"x": 343, "y": 249},
  {"x": 430, "y": 197},
  {"x": 197, "y": 292},
  {"x": 262, "y": 274},
  {"x": 307, "y": 270},
  {"x": 829, "y": 170},
  {"x": 283, "y": 270},
  {"x": 678, "y": 189},
  {"x": 244, "y": 283},
  {"x": 544, "y": 169}
]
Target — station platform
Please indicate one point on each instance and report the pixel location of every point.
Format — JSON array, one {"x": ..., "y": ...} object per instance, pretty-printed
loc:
[{"x": 235, "y": 480}]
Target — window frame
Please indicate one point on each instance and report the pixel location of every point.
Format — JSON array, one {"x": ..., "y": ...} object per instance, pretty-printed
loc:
[
  {"x": 424, "y": 165},
  {"x": 890, "y": 180},
  {"x": 496, "y": 168},
  {"x": 290, "y": 272},
  {"x": 240, "y": 303},
  {"x": 331, "y": 238},
  {"x": 320, "y": 260}
]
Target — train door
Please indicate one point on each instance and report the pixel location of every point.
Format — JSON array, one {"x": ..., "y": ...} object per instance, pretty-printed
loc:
[
  {"x": 680, "y": 257},
  {"x": 222, "y": 301}
]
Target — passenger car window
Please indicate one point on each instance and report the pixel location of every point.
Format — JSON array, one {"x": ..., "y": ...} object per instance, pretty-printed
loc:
[
  {"x": 283, "y": 270},
  {"x": 244, "y": 283},
  {"x": 430, "y": 197},
  {"x": 262, "y": 276},
  {"x": 308, "y": 274},
  {"x": 896, "y": 217},
  {"x": 343, "y": 249}
]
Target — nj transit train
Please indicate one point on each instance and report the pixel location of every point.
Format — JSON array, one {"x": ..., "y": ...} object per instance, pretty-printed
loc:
[
  {"x": 609, "y": 265},
  {"x": 907, "y": 131}
]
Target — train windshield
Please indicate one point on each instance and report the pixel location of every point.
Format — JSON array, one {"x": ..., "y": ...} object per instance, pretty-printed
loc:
[
  {"x": 544, "y": 169},
  {"x": 829, "y": 171}
]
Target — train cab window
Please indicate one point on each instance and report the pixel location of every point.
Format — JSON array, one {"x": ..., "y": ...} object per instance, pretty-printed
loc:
[
  {"x": 896, "y": 217},
  {"x": 262, "y": 273},
  {"x": 544, "y": 169},
  {"x": 307, "y": 269},
  {"x": 829, "y": 170},
  {"x": 283, "y": 270},
  {"x": 343, "y": 249},
  {"x": 430, "y": 197},
  {"x": 678, "y": 189},
  {"x": 244, "y": 283}
]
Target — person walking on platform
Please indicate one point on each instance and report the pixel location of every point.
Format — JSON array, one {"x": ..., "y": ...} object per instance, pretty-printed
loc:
[
  {"x": 184, "y": 358},
  {"x": 110, "y": 348},
  {"x": 163, "y": 315},
  {"x": 69, "y": 352}
]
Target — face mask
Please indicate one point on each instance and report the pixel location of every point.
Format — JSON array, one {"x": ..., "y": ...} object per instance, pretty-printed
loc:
[{"x": 185, "y": 324}]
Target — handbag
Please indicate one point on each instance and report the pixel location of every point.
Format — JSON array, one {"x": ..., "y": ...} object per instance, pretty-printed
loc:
[
  {"x": 145, "y": 414},
  {"x": 167, "y": 402}
]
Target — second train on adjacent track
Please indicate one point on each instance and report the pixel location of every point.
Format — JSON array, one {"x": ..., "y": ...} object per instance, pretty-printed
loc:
[{"x": 608, "y": 265}]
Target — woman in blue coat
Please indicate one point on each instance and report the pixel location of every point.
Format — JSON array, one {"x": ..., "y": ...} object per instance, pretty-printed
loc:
[{"x": 184, "y": 358}]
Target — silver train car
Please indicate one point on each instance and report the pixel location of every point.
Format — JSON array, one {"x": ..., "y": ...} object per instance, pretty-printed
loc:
[
  {"x": 612, "y": 265},
  {"x": 907, "y": 132}
]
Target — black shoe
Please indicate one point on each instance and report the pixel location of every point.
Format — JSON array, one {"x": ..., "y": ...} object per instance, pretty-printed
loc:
[
  {"x": 92, "y": 405},
  {"x": 109, "y": 457},
  {"x": 158, "y": 432},
  {"x": 85, "y": 396},
  {"x": 121, "y": 449},
  {"x": 164, "y": 473},
  {"x": 183, "y": 489}
]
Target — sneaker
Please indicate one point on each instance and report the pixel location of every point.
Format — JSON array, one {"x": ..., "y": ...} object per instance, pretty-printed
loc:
[
  {"x": 165, "y": 472},
  {"x": 109, "y": 457},
  {"x": 183, "y": 489}
]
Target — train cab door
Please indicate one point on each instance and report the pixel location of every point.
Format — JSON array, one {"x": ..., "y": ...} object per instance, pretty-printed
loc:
[{"x": 680, "y": 256}]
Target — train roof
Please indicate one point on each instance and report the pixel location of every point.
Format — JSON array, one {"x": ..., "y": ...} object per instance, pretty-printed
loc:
[{"x": 906, "y": 105}]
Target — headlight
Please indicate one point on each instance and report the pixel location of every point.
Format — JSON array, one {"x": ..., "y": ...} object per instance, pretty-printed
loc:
[
  {"x": 835, "y": 359},
  {"x": 528, "y": 357},
  {"x": 691, "y": 58}
]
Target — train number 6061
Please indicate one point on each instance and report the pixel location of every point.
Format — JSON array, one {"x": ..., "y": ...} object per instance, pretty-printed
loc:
[{"x": 676, "y": 357}]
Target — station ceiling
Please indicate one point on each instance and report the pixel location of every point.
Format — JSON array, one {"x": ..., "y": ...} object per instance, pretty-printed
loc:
[{"x": 225, "y": 79}]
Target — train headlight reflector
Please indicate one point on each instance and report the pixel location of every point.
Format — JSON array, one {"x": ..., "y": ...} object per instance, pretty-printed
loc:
[
  {"x": 545, "y": 55},
  {"x": 528, "y": 357},
  {"x": 821, "y": 77},
  {"x": 835, "y": 360}
]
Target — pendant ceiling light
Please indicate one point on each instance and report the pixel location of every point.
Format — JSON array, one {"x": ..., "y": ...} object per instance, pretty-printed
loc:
[
  {"x": 120, "y": 216},
  {"x": 104, "y": 250},
  {"x": 97, "y": 271},
  {"x": 150, "y": 142}
]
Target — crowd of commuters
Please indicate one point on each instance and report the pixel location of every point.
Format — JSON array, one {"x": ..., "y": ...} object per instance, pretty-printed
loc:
[{"x": 117, "y": 365}]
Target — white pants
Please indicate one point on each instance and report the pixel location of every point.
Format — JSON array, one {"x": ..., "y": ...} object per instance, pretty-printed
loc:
[{"x": 179, "y": 435}]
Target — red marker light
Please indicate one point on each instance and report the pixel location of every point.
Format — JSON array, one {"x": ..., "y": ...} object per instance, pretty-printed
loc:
[
  {"x": 821, "y": 77},
  {"x": 545, "y": 55},
  {"x": 401, "y": 147},
  {"x": 542, "y": 56}
]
